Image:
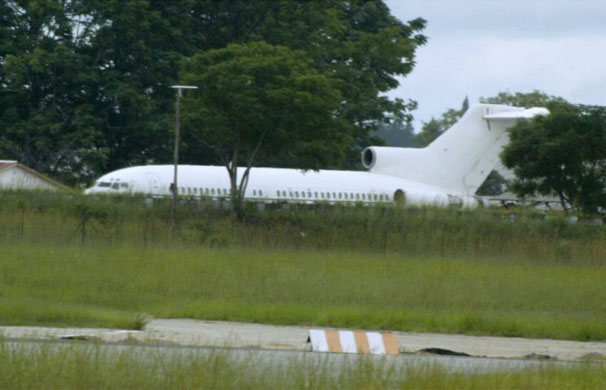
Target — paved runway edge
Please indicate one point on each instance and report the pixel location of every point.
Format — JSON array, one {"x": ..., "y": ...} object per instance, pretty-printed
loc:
[{"x": 245, "y": 335}]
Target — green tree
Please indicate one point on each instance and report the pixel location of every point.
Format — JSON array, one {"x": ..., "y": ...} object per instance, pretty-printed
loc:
[
  {"x": 133, "y": 59},
  {"x": 398, "y": 134},
  {"x": 563, "y": 154},
  {"x": 495, "y": 184},
  {"x": 45, "y": 113},
  {"x": 358, "y": 42},
  {"x": 85, "y": 84},
  {"x": 535, "y": 98},
  {"x": 256, "y": 100}
]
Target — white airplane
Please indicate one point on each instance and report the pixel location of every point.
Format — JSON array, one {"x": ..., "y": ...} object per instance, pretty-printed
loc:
[{"x": 447, "y": 172}]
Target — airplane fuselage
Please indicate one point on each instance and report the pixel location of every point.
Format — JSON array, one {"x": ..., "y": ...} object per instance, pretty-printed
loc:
[{"x": 271, "y": 185}]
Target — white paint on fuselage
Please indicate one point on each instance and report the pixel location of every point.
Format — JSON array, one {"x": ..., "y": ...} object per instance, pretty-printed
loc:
[{"x": 272, "y": 185}]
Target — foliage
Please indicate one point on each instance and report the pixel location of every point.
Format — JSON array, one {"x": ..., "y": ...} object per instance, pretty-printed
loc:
[
  {"x": 535, "y": 98},
  {"x": 563, "y": 153},
  {"x": 494, "y": 184},
  {"x": 85, "y": 84},
  {"x": 46, "y": 113},
  {"x": 397, "y": 134},
  {"x": 244, "y": 111}
]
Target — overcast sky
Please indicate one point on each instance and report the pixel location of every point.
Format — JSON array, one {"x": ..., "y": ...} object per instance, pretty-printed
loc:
[{"x": 481, "y": 47}]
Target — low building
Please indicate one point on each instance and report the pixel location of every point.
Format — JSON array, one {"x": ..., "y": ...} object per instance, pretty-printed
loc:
[{"x": 15, "y": 176}]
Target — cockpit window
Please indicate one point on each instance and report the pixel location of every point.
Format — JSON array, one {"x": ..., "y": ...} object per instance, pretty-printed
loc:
[
  {"x": 116, "y": 186},
  {"x": 104, "y": 184},
  {"x": 124, "y": 185}
]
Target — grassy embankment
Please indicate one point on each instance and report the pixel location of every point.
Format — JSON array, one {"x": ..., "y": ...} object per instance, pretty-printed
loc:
[
  {"x": 77, "y": 262},
  {"x": 92, "y": 367}
]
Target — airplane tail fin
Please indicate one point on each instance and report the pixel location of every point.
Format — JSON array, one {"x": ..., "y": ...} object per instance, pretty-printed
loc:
[{"x": 461, "y": 158}]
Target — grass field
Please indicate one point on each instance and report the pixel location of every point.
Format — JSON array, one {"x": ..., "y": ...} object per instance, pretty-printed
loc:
[
  {"x": 114, "y": 286},
  {"x": 77, "y": 262},
  {"x": 43, "y": 366}
]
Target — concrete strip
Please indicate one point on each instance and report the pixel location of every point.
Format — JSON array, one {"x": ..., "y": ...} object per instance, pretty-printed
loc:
[
  {"x": 505, "y": 347},
  {"x": 229, "y": 334},
  {"x": 242, "y": 335}
]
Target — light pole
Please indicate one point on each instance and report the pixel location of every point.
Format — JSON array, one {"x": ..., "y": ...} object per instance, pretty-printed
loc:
[{"x": 174, "y": 188}]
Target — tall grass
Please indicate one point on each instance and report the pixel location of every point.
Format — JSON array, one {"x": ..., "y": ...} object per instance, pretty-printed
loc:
[
  {"x": 111, "y": 262},
  {"x": 114, "y": 286},
  {"x": 426, "y": 232},
  {"x": 54, "y": 366}
]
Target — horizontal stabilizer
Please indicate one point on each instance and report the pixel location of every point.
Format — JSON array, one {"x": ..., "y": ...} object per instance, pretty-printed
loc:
[{"x": 523, "y": 114}]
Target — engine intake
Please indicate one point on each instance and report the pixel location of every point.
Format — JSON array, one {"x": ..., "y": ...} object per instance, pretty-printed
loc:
[{"x": 369, "y": 158}]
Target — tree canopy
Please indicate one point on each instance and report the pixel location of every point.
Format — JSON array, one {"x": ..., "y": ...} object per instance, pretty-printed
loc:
[
  {"x": 535, "y": 98},
  {"x": 85, "y": 84},
  {"x": 259, "y": 101},
  {"x": 562, "y": 154}
]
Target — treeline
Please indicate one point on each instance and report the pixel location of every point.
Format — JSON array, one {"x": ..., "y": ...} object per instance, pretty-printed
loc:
[{"x": 85, "y": 85}]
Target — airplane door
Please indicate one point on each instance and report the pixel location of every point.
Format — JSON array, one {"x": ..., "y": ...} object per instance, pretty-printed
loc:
[{"x": 154, "y": 183}]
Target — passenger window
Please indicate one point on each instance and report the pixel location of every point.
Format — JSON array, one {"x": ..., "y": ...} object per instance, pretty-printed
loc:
[
  {"x": 254, "y": 192},
  {"x": 290, "y": 193},
  {"x": 296, "y": 194},
  {"x": 260, "y": 192},
  {"x": 212, "y": 191},
  {"x": 315, "y": 194}
]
